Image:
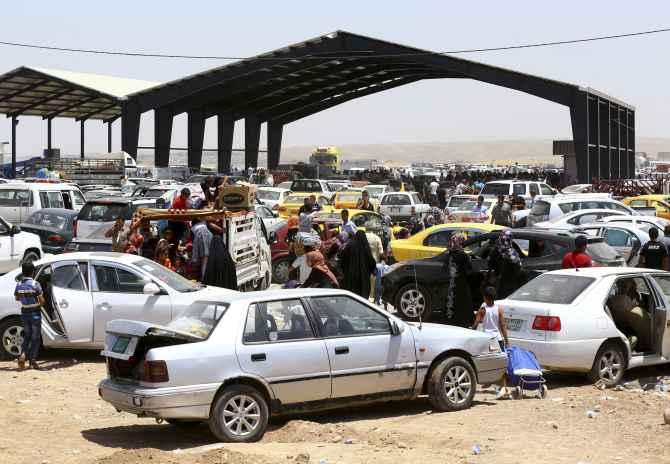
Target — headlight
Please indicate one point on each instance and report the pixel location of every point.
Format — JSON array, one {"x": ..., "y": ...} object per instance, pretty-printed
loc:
[{"x": 494, "y": 346}]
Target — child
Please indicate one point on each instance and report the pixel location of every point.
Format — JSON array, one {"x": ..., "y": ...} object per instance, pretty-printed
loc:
[
  {"x": 381, "y": 269},
  {"x": 163, "y": 254},
  {"x": 29, "y": 293},
  {"x": 492, "y": 318}
]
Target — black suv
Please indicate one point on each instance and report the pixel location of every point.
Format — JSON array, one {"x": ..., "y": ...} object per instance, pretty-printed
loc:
[{"x": 419, "y": 287}]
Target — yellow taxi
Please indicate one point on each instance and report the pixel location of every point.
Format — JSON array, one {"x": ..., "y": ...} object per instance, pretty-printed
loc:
[
  {"x": 434, "y": 240},
  {"x": 293, "y": 202},
  {"x": 660, "y": 202},
  {"x": 348, "y": 199}
]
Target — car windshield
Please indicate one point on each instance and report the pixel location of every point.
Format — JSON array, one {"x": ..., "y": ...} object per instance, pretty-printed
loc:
[
  {"x": 396, "y": 199},
  {"x": 104, "y": 212},
  {"x": 552, "y": 288},
  {"x": 306, "y": 186},
  {"x": 199, "y": 319},
  {"x": 495, "y": 188},
  {"x": 169, "y": 278},
  {"x": 540, "y": 208},
  {"x": 295, "y": 199},
  {"x": 268, "y": 195},
  {"x": 49, "y": 219},
  {"x": 155, "y": 193}
]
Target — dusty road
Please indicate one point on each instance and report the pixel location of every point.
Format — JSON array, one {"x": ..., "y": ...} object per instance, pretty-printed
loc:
[{"x": 55, "y": 416}]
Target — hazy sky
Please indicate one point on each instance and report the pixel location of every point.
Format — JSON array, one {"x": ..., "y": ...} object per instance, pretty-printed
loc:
[{"x": 634, "y": 70}]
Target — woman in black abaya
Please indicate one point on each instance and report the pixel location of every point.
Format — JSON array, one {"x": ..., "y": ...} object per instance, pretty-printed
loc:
[{"x": 357, "y": 265}]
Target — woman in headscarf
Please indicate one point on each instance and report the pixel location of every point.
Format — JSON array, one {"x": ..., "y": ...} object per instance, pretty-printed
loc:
[
  {"x": 505, "y": 262},
  {"x": 357, "y": 265},
  {"x": 320, "y": 277},
  {"x": 459, "y": 297}
]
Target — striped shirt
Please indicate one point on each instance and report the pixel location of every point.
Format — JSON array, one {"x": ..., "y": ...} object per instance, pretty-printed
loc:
[{"x": 27, "y": 292}]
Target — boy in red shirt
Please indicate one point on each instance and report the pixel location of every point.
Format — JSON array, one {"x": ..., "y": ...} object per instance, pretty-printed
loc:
[{"x": 579, "y": 257}]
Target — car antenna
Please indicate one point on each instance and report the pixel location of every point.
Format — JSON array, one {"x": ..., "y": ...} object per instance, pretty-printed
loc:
[{"x": 416, "y": 284}]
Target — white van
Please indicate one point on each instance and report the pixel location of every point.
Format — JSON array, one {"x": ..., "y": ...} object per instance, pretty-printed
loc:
[{"x": 18, "y": 200}]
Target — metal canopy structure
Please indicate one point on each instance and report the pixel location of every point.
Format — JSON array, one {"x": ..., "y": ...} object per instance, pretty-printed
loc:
[
  {"x": 297, "y": 81},
  {"x": 49, "y": 93}
]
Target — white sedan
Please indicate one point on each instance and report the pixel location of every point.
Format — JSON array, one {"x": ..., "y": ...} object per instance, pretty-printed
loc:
[
  {"x": 626, "y": 239},
  {"x": 84, "y": 291},
  {"x": 272, "y": 196},
  {"x": 577, "y": 218},
  {"x": 601, "y": 320},
  {"x": 645, "y": 223}
]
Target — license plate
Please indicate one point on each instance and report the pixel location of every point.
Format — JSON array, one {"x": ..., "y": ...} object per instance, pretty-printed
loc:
[{"x": 514, "y": 325}]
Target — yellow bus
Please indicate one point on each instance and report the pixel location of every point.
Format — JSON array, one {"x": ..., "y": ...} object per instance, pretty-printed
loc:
[{"x": 327, "y": 157}]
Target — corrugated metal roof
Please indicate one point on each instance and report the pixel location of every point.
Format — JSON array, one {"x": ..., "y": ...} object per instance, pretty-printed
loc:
[{"x": 53, "y": 93}]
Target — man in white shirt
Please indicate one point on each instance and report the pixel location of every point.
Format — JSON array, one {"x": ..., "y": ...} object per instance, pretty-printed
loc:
[{"x": 434, "y": 185}]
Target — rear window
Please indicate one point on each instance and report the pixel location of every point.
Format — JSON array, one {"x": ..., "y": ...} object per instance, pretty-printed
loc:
[
  {"x": 351, "y": 196},
  {"x": 394, "y": 199},
  {"x": 600, "y": 250},
  {"x": 552, "y": 288},
  {"x": 541, "y": 208},
  {"x": 295, "y": 199},
  {"x": 268, "y": 195},
  {"x": 567, "y": 207},
  {"x": 455, "y": 202},
  {"x": 155, "y": 193},
  {"x": 306, "y": 186},
  {"x": 104, "y": 212},
  {"x": 495, "y": 188},
  {"x": 48, "y": 219}
]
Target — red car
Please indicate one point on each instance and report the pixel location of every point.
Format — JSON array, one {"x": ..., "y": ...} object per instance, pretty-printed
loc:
[{"x": 279, "y": 252}]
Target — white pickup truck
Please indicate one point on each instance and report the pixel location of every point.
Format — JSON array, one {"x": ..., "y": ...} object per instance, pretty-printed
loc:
[{"x": 401, "y": 206}]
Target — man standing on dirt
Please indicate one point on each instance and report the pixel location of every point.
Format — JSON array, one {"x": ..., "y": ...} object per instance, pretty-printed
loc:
[{"x": 29, "y": 293}]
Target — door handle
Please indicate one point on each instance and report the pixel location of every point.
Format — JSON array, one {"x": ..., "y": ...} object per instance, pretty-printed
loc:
[
  {"x": 341, "y": 350},
  {"x": 257, "y": 357},
  {"x": 63, "y": 304},
  {"x": 104, "y": 307}
]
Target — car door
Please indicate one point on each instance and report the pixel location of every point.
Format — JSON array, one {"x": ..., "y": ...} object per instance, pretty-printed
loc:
[
  {"x": 365, "y": 358},
  {"x": 71, "y": 300},
  {"x": 118, "y": 293},
  {"x": 621, "y": 240},
  {"x": 662, "y": 315},
  {"x": 7, "y": 258},
  {"x": 280, "y": 345}
]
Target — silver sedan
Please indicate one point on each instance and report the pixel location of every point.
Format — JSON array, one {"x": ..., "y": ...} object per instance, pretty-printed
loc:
[{"x": 235, "y": 362}]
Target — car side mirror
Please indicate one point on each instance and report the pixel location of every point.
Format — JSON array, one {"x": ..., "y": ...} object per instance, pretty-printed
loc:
[
  {"x": 396, "y": 328},
  {"x": 14, "y": 230},
  {"x": 151, "y": 288}
]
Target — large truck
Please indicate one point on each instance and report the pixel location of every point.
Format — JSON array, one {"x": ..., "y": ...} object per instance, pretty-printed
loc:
[
  {"x": 328, "y": 159},
  {"x": 107, "y": 169}
]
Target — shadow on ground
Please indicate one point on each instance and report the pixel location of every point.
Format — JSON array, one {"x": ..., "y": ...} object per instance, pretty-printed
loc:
[{"x": 151, "y": 435}]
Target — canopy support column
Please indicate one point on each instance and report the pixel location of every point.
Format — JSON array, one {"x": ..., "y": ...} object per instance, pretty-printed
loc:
[
  {"x": 226, "y": 130},
  {"x": 109, "y": 136},
  {"x": 162, "y": 136},
  {"x": 252, "y": 136},
  {"x": 83, "y": 139},
  {"x": 130, "y": 128},
  {"x": 275, "y": 131},
  {"x": 49, "y": 147},
  {"x": 15, "y": 122},
  {"x": 196, "y": 134}
]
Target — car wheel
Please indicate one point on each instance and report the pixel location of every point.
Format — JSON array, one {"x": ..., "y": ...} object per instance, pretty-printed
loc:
[
  {"x": 452, "y": 385},
  {"x": 609, "y": 365},
  {"x": 413, "y": 302},
  {"x": 240, "y": 414},
  {"x": 280, "y": 270},
  {"x": 30, "y": 257},
  {"x": 11, "y": 331}
]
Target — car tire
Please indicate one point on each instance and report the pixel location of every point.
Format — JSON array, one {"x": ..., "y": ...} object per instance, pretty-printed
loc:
[
  {"x": 11, "y": 331},
  {"x": 280, "y": 270},
  {"x": 609, "y": 365},
  {"x": 452, "y": 385},
  {"x": 246, "y": 428},
  {"x": 30, "y": 257},
  {"x": 419, "y": 297}
]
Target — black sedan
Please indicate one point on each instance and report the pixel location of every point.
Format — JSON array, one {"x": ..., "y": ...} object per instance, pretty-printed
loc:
[
  {"x": 418, "y": 288},
  {"x": 54, "y": 227}
]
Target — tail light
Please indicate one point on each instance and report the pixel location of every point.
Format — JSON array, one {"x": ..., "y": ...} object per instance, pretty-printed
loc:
[
  {"x": 154, "y": 372},
  {"x": 74, "y": 228},
  {"x": 55, "y": 238},
  {"x": 547, "y": 323}
]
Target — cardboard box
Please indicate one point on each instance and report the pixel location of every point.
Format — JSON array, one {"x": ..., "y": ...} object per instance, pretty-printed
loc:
[{"x": 236, "y": 196}]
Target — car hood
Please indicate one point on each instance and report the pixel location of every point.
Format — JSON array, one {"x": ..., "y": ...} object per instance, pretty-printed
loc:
[{"x": 436, "y": 338}]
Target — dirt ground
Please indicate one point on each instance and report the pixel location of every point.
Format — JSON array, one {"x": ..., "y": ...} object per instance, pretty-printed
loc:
[{"x": 55, "y": 416}]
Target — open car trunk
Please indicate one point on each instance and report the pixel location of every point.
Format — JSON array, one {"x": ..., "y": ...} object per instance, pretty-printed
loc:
[{"x": 128, "y": 342}]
